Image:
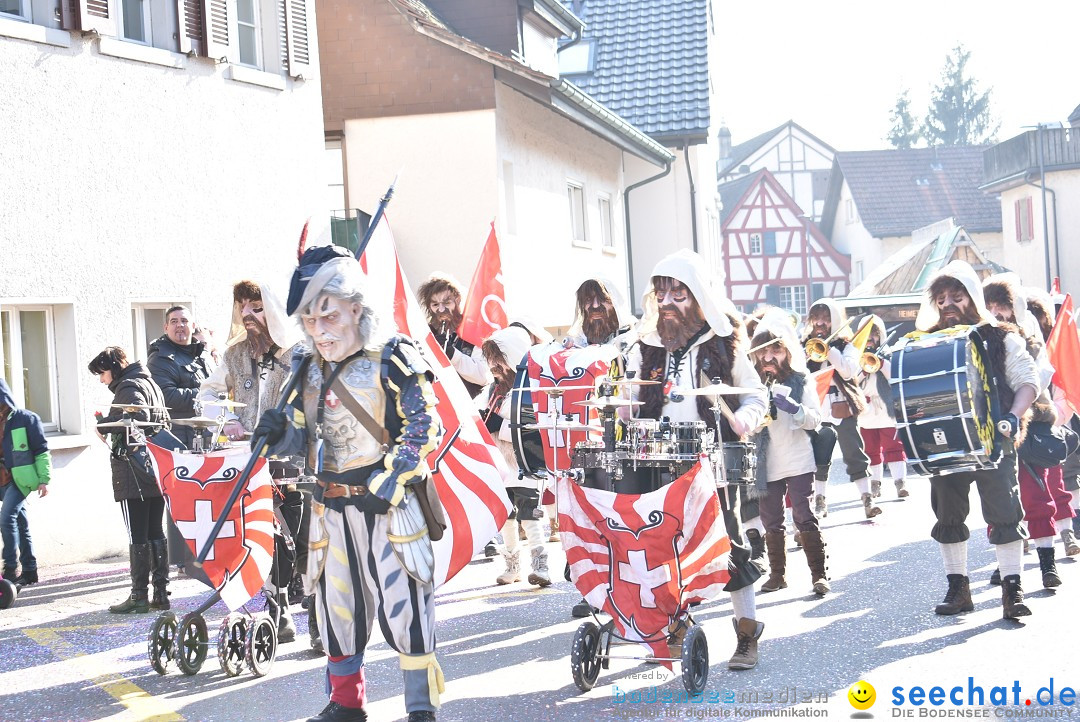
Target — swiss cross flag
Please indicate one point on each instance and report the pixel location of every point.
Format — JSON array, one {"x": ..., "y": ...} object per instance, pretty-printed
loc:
[
  {"x": 196, "y": 487},
  {"x": 1063, "y": 349},
  {"x": 485, "y": 307},
  {"x": 643, "y": 558}
]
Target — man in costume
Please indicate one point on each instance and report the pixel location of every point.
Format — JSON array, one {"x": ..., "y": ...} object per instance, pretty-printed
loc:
[
  {"x": 690, "y": 337},
  {"x": 254, "y": 368},
  {"x": 601, "y": 315},
  {"x": 843, "y": 403},
  {"x": 364, "y": 416},
  {"x": 785, "y": 452},
  {"x": 954, "y": 299},
  {"x": 877, "y": 423},
  {"x": 1040, "y": 490},
  {"x": 442, "y": 300},
  {"x": 503, "y": 351}
]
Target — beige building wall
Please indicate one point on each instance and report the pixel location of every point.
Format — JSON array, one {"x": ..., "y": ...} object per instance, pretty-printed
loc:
[
  {"x": 1028, "y": 258},
  {"x": 128, "y": 182}
]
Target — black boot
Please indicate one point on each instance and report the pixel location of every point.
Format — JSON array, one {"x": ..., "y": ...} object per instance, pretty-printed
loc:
[
  {"x": 137, "y": 603},
  {"x": 313, "y": 625},
  {"x": 957, "y": 598},
  {"x": 335, "y": 712},
  {"x": 1012, "y": 598},
  {"x": 28, "y": 576},
  {"x": 159, "y": 573},
  {"x": 995, "y": 578},
  {"x": 279, "y": 610},
  {"x": 1048, "y": 567},
  {"x": 421, "y": 715},
  {"x": 757, "y": 544},
  {"x": 10, "y": 574}
]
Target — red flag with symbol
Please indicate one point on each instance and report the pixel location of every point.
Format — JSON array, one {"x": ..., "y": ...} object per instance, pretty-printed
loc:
[
  {"x": 467, "y": 467},
  {"x": 643, "y": 558},
  {"x": 1063, "y": 350},
  {"x": 485, "y": 306},
  {"x": 196, "y": 487}
]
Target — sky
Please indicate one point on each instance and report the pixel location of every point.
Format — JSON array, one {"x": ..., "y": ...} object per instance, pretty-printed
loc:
[{"x": 836, "y": 67}]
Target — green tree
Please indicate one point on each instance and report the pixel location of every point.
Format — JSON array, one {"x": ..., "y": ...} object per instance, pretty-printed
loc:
[
  {"x": 903, "y": 133},
  {"x": 959, "y": 112}
]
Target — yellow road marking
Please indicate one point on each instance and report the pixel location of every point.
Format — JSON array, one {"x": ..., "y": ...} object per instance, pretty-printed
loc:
[{"x": 141, "y": 703}]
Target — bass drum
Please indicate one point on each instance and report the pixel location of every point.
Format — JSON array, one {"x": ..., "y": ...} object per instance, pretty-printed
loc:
[
  {"x": 946, "y": 402},
  {"x": 528, "y": 446}
]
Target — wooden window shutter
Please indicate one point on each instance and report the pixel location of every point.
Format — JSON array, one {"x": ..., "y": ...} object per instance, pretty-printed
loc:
[
  {"x": 190, "y": 30},
  {"x": 100, "y": 16},
  {"x": 219, "y": 18},
  {"x": 769, "y": 243},
  {"x": 1016, "y": 220},
  {"x": 296, "y": 30},
  {"x": 772, "y": 295},
  {"x": 1030, "y": 219}
]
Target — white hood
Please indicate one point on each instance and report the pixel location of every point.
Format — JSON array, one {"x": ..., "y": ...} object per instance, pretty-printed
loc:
[
  {"x": 1023, "y": 317},
  {"x": 534, "y": 327},
  {"x": 777, "y": 322},
  {"x": 618, "y": 299},
  {"x": 689, "y": 268},
  {"x": 514, "y": 342},
  {"x": 837, "y": 318},
  {"x": 880, "y": 324},
  {"x": 965, "y": 274},
  {"x": 283, "y": 330}
]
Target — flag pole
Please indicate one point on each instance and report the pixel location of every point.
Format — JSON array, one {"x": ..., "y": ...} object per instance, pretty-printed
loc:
[{"x": 383, "y": 202}]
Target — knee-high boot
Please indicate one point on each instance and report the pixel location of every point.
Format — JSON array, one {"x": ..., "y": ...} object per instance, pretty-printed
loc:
[
  {"x": 137, "y": 603},
  {"x": 814, "y": 548},
  {"x": 774, "y": 543},
  {"x": 159, "y": 573}
]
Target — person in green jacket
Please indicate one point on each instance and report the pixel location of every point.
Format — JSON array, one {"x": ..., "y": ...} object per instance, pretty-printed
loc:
[{"x": 25, "y": 465}]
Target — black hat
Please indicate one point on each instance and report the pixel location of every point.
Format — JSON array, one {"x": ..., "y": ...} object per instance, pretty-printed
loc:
[{"x": 310, "y": 262}]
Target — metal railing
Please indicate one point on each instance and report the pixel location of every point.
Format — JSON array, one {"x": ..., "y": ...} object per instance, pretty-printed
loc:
[{"x": 1060, "y": 147}]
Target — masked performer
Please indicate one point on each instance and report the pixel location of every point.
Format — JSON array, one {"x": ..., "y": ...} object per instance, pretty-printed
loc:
[
  {"x": 601, "y": 315},
  {"x": 691, "y": 337},
  {"x": 877, "y": 423},
  {"x": 441, "y": 298},
  {"x": 955, "y": 298},
  {"x": 365, "y": 418},
  {"x": 256, "y": 363},
  {"x": 843, "y": 404},
  {"x": 785, "y": 452},
  {"x": 503, "y": 351},
  {"x": 1005, "y": 300}
]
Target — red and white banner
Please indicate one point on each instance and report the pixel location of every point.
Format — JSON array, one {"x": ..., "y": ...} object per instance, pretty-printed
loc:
[
  {"x": 485, "y": 306},
  {"x": 467, "y": 468},
  {"x": 642, "y": 558},
  {"x": 1063, "y": 350},
  {"x": 196, "y": 487},
  {"x": 551, "y": 366}
]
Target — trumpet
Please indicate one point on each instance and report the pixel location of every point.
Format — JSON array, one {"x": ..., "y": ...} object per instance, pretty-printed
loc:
[
  {"x": 870, "y": 362},
  {"x": 817, "y": 349}
]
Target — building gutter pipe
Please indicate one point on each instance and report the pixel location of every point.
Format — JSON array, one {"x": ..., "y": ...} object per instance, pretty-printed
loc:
[
  {"x": 1057, "y": 257},
  {"x": 693, "y": 195},
  {"x": 626, "y": 222}
]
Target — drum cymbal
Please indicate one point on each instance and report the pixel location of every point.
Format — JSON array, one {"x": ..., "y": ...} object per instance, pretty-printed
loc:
[
  {"x": 552, "y": 390},
  {"x": 137, "y": 407},
  {"x": 125, "y": 423},
  {"x": 224, "y": 403},
  {"x": 607, "y": 402},
  {"x": 634, "y": 382},
  {"x": 198, "y": 422},
  {"x": 568, "y": 426},
  {"x": 717, "y": 390}
]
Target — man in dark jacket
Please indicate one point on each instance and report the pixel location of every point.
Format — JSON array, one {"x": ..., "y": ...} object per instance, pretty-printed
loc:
[
  {"x": 25, "y": 465},
  {"x": 179, "y": 366}
]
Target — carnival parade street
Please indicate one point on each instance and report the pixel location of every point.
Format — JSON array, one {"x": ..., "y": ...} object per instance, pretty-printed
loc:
[{"x": 505, "y": 650}]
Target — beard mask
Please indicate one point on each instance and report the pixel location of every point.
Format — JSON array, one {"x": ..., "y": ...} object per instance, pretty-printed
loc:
[
  {"x": 258, "y": 335},
  {"x": 600, "y": 324},
  {"x": 680, "y": 315},
  {"x": 773, "y": 368}
]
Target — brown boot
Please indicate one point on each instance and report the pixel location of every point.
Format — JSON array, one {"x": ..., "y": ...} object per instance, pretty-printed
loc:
[
  {"x": 746, "y": 655},
  {"x": 958, "y": 597},
  {"x": 814, "y": 548},
  {"x": 869, "y": 508},
  {"x": 1012, "y": 598},
  {"x": 774, "y": 542}
]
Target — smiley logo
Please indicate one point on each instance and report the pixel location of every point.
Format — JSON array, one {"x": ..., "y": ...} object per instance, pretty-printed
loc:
[{"x": 861, "y": 695}]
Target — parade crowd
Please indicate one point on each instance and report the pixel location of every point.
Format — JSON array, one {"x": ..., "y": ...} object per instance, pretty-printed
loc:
[{"x": 348, "y": 449}]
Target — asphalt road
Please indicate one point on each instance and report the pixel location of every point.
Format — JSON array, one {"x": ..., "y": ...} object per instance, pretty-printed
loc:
[{"x": 505, "y": 651}]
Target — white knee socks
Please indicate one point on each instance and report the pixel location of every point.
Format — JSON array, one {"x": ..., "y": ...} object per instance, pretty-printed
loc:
[
  {"x": 863, "y": 485},
  {"x": 898, "y": 470},
  {"x": 877, "y": 472},
  {"x": 955, "y": 557},
  {"x": 742, "y": 603},
  {"x": 819, "y": 487},
  {"x": 535, "y": 532},
  {"x": 1010, "y": 557},
  {"x": 510, "y": 535}
]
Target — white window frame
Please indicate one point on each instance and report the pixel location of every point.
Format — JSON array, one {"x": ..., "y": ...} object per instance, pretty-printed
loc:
[
  {"x": 793, "y": 302},
  {"x": 139, "y": 307},
  {"x": 18, "y": 387},
  {"x": 579, "y": 234},
  {"x": 24, "y": 14},
  {"x": 256, "y": 26},
  {"x": 148, "y": 33},
  {"x": 607, "y": 220},
  {"x": 755, "y": 246}
]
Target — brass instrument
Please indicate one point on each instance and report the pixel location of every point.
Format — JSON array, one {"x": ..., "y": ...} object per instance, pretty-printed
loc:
[
  {"x": 870, "y": 362},
  {"x": 817, "y": 349}
]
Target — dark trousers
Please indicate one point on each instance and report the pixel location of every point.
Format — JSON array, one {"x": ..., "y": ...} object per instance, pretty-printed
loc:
[
  {"x": 800, "y": 489},
  {"x": 143, "y": 519},
  {"x": 742, "y": 569},
  {"x": 851, "y": 449},
  {"x": 999, "y": 495}
]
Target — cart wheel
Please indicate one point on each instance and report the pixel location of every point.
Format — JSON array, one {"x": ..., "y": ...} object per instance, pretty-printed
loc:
[
  {"x": 695, "y": 660},
  {"x": 231, "y": 643},
  {"x": 8, "y": 593},
  {"x": 585, "y": 656},
  {"x": 159, "y": 643},
  {"x": 260, "y": 649},
  {"x": 191, "y": 643}
]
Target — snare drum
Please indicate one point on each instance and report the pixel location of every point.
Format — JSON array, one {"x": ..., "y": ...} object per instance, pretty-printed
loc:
[
  {"x": 945, "y": 396},
  {"x": 740, "y": 462},
  {"x": 688, "y": 437}
]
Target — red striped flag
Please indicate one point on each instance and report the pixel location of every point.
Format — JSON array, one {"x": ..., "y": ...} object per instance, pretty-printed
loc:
[
  {"x": 467, "y": 468},
  {"x": 485, "y": 306},
  {"x": 196, "y": 487},
  {"x": 1063, "y": 350},
  {"x": 642, "y": 558}
]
